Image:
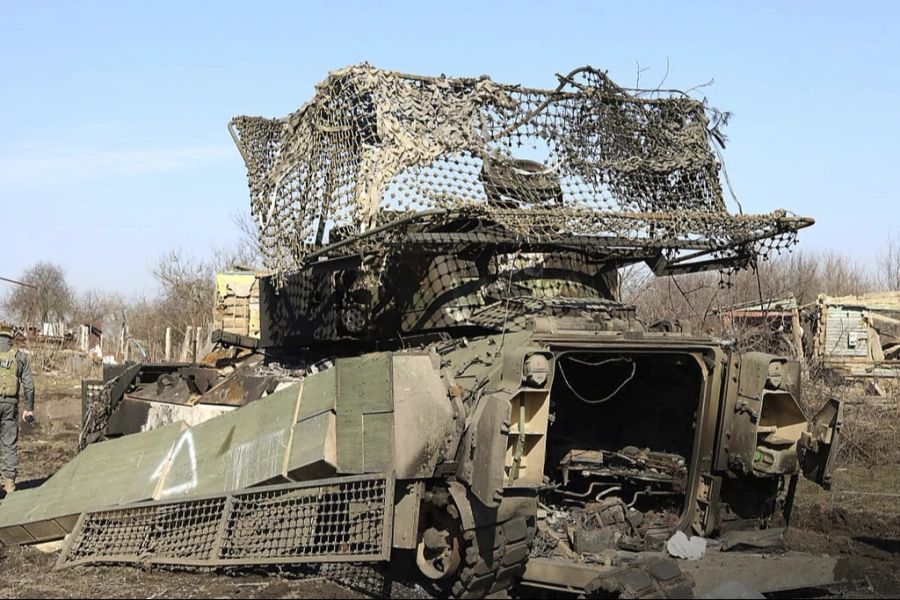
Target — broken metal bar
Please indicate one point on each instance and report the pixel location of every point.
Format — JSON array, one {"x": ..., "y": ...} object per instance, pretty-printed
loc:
[{"x": 23, "y": 284}]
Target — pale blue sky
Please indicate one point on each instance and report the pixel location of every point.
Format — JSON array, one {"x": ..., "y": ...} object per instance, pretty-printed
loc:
[{"x": 114, "y": 146}]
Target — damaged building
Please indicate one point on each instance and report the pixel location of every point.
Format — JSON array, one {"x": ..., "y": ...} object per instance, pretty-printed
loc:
[{"x": 858, "y": 336}]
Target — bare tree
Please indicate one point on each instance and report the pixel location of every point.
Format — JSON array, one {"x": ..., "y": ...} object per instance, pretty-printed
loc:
[
  {"x": 686, "y": 298},
  {"x": 889, "y": 265},
  {"x": 841, "y": 276},
  {"x": 187, "y": 287},
  {"x": 96, "y": 306},
  {"x": 798, "y": 274},
  {"x": 46, "y": 297},
  {"x": 247, "y": 250}
]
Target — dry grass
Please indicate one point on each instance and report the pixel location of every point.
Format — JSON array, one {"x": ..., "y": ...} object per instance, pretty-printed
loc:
[
  {"x": 857, "y": 488},
  {"x": 53, "y": 383},
  {"x": 871, "y": 432},
  {"x": 54, "y": 359}
]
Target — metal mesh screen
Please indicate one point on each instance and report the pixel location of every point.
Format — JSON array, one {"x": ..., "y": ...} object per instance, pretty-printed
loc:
[
  {"x": 587, "y": 158},
  {"x": 346, "y": 519}
]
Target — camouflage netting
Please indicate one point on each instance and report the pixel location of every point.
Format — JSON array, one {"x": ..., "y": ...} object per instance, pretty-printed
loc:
[{"x": 586, "y": 159}]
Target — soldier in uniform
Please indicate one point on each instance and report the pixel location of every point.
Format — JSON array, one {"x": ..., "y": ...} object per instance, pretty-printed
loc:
[{"x": 15, "y": 373}]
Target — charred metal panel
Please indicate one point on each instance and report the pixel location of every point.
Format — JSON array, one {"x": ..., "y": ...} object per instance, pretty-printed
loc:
[
  {"x": 239, "y": 389},
  {"x": 129, "y": 417}
]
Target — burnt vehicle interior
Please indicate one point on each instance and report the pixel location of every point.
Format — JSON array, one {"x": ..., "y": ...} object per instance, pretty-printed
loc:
[{"x": 619, "y": 445}]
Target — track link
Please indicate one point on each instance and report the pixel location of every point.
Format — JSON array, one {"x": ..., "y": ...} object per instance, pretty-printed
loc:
[{"x": 495, "y": 557}]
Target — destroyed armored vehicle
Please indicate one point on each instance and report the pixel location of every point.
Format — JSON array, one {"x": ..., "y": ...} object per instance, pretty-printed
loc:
[{"x": 462, "y": 395}]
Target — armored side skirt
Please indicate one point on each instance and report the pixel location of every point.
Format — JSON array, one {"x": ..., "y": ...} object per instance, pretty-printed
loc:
[{"x": 329, "y": 520}]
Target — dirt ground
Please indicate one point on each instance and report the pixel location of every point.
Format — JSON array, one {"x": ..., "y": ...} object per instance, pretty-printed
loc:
[{"x": 860, "y": 519}]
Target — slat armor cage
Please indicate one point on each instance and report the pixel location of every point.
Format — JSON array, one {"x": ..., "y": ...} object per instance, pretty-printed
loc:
[
  {"x": 334, "y": 520},
  {"x": 636, "y": 169}
]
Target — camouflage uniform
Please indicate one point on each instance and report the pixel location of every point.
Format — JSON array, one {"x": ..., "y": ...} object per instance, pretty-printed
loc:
[{"x": 15, "y": 376}]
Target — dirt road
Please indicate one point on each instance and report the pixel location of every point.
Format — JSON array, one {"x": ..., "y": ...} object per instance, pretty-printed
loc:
[{"x": 856, "y": 521}]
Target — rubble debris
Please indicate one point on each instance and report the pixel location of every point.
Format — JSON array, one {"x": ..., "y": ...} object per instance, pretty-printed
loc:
[
  {"x": 138, "y": 397},
  {"x": 733, "y": 589},
  {"x": 649, "y": 578},
  {"x": 855, "y": 337},
  {"x": 771, "y": 540},
  {"x": 688, "y": 548}
]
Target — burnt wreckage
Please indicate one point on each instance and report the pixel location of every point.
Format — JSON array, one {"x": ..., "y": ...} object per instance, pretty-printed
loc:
[{"x": 445, "y": 378}]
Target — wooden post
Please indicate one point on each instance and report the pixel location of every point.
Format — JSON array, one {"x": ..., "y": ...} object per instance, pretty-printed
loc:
[
  {"x": 168, "y": 344},
  {"x": 127, "y": 350},
  {"x": 197, "y": 340},
  {"x": 186, "y": 345},
  {"x": 797, "y": 330}
]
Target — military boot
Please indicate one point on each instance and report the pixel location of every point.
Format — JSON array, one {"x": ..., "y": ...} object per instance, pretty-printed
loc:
[{"x": 9, "y": 485}]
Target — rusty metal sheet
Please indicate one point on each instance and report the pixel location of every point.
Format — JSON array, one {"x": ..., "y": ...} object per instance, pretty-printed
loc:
[{"x": 240, "y": 389}]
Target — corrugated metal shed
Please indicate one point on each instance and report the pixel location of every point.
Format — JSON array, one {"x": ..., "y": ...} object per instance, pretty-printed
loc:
[{"x": 846, "y": 333}]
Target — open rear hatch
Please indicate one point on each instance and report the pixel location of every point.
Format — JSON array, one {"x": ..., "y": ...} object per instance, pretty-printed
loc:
[
  {"x": 764, "y": 431},
  {"x": 819, "y": 444}
]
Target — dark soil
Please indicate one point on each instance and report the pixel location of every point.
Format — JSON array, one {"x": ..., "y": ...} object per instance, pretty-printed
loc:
[
  {"x": 860, "y": 520},
  {"x": 28, "y": 573}
]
